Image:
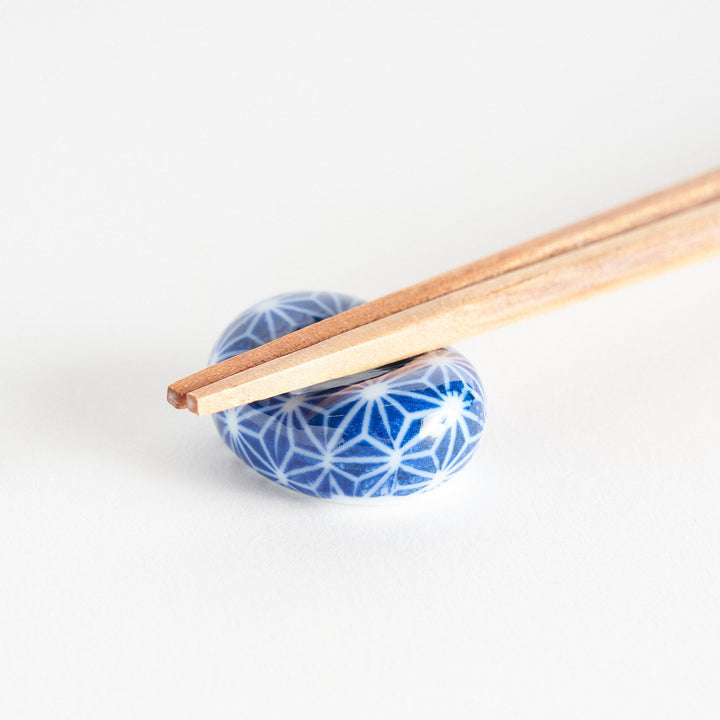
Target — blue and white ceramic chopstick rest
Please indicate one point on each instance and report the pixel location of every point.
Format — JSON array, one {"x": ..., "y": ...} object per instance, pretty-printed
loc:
[{"x": 398, "y": 430}]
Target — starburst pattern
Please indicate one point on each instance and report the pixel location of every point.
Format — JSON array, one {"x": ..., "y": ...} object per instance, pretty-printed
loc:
[{"x": 397, "y": 430}]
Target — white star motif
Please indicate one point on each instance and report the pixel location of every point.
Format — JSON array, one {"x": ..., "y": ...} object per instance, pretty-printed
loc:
[{"x": 394, "y": 431}]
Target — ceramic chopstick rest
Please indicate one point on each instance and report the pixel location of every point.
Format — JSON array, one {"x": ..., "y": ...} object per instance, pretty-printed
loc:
[{"x": 394, "y": 431}]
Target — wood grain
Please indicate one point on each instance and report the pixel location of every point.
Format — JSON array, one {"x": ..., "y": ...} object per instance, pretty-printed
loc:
[
  {"x": 632, "y": 215},
  {"x": 534, "y": 288}
]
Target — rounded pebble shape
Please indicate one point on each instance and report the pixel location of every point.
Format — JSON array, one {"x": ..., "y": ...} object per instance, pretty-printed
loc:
[{"x": 396, "y": 430}]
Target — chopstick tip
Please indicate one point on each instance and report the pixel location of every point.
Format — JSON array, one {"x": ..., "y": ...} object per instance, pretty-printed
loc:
[
  {"x": 175, "y": 398},
  {"x": 191, "y": 404}
]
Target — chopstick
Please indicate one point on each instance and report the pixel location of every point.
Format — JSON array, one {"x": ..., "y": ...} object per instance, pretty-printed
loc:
[
  {"x": 538, "y": 287},
  {"x": 649, "y": 235}
]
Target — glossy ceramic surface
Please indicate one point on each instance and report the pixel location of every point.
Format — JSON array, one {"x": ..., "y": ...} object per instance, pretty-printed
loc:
[{"x": 393, "y": 431}]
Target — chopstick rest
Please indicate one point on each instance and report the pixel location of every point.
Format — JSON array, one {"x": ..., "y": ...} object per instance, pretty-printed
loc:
[{"x": 393, "y": 431}]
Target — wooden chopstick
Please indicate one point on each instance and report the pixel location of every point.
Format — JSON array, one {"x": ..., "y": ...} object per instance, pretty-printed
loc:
[
  {"x": 537, "y": 287},
  {"x": 631, "y": 215},
  {"x": 204, "y": 384}
]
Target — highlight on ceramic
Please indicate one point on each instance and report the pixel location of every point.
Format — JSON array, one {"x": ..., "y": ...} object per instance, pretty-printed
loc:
[{"x": 397, "y": 430}]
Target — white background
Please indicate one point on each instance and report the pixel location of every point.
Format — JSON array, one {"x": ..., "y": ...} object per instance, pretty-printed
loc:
[{"x": 163, "y": 165}]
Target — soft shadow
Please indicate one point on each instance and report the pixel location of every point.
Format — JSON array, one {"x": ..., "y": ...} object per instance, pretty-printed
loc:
[{"x": 115, "y": 412}]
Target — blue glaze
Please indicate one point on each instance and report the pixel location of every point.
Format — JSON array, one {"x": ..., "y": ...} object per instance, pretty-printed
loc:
[{"x": 396, "y": 430}]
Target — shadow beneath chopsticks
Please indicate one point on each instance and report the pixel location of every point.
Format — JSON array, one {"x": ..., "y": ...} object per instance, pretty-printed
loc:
[{"x": 114, "y": 415}]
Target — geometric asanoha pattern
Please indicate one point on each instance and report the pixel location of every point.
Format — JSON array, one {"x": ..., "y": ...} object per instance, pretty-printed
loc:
[{"x": 398, "y": 430}]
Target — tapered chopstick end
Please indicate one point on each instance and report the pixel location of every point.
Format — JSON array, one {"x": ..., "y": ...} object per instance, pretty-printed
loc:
[
  {"x": 192, "y": 405},
  {"x": 176, "y": 399}
]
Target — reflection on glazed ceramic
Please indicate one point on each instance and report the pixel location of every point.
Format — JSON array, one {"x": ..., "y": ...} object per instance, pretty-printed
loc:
[{"x": 396, "y": 430}]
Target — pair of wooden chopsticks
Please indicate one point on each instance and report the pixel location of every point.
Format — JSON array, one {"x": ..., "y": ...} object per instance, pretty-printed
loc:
[{"x": 656, "y": 233}]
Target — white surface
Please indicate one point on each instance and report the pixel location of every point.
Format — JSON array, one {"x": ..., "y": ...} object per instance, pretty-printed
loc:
[{"x": 164, "y": 165}]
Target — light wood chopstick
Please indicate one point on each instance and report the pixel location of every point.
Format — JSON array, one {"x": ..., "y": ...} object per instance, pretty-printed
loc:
[
  {"x": 631, "y": 215},
  {"x": 576, "y": 274},
  {"x": 347, "y": 347}
]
